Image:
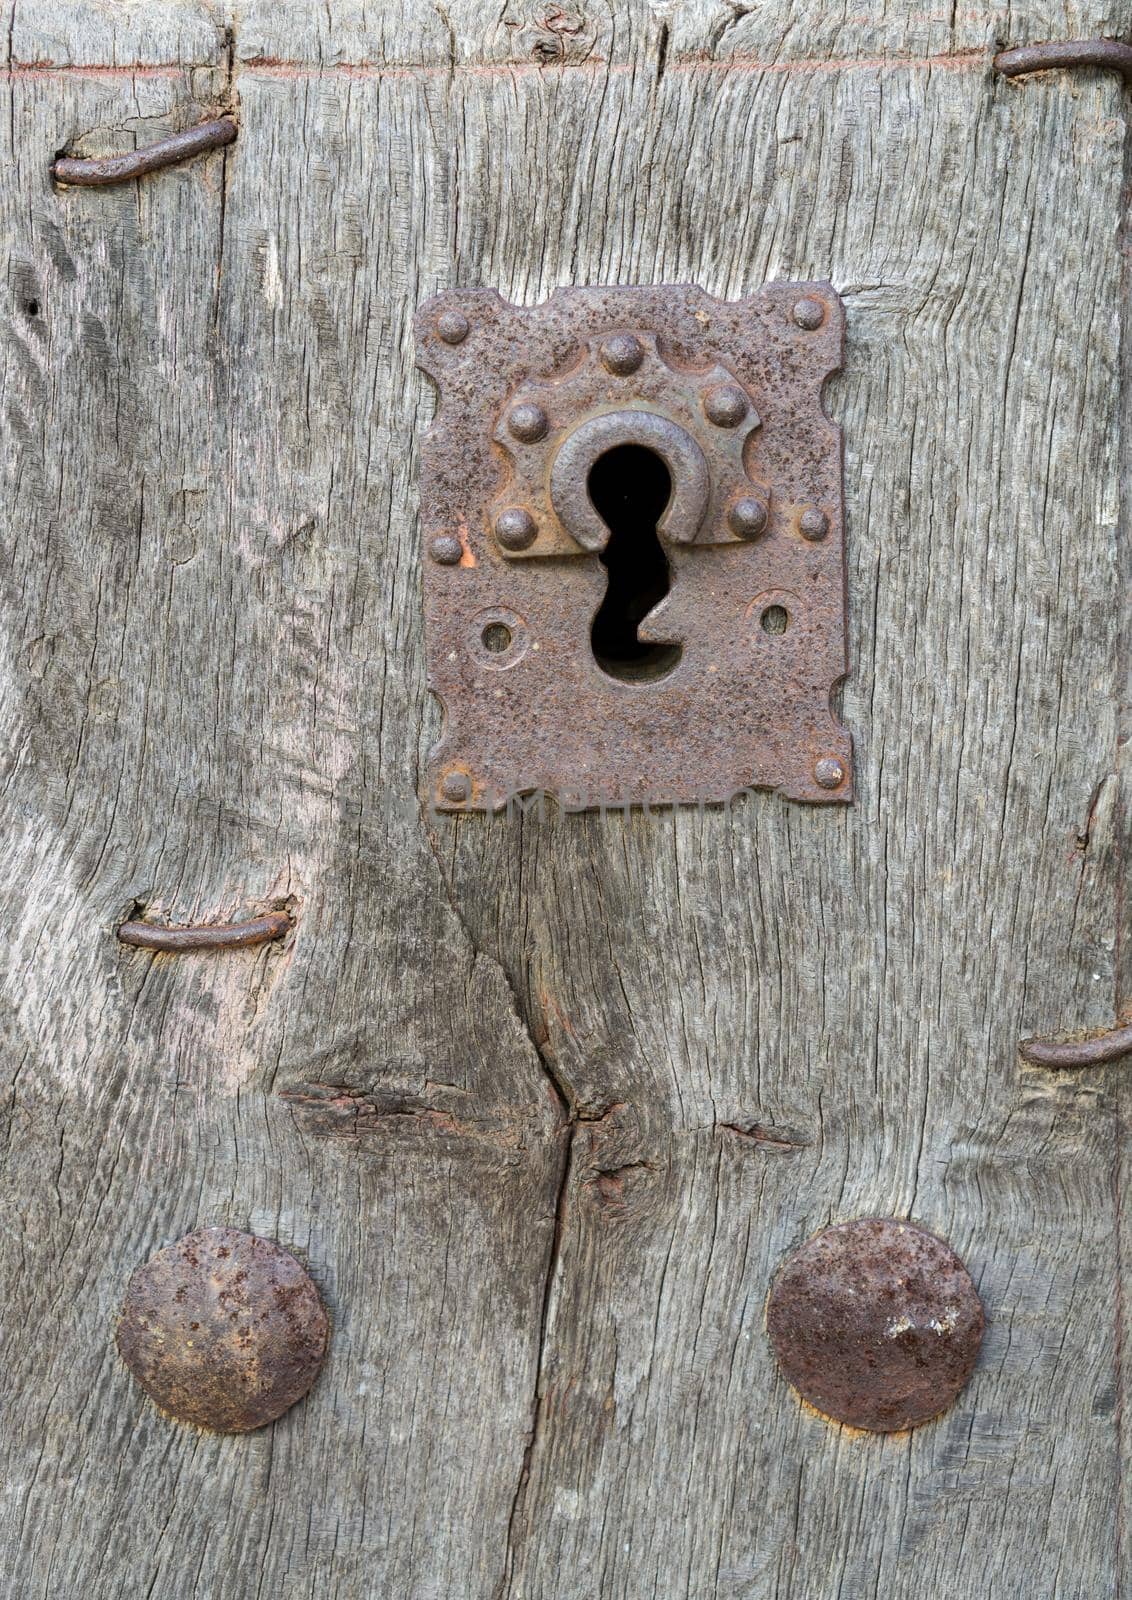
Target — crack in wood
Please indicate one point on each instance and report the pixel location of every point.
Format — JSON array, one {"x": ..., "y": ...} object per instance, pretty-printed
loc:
[
  {"x": 368, "y": 1118},
  {"x": 767, "y": 1138},
  {"x": 537, "y": 1408}
]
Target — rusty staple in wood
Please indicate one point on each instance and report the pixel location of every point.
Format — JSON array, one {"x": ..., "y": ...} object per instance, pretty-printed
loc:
[
  {"x": 1066, "y": 53},
  {"x": 206, "y": 936},
  {"x": 100, "y": 170},
  {"x": 1098, "y": 1051}
]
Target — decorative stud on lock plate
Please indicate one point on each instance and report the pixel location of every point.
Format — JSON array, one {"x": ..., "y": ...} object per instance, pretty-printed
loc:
[{"x": 619, "y": 487}]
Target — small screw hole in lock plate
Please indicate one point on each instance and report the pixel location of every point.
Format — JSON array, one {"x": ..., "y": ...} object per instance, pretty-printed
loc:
[
  {"x": 499, "y": 639},
  {"x": 496, "y": 637},
  {"x": 775, "y": 619}
]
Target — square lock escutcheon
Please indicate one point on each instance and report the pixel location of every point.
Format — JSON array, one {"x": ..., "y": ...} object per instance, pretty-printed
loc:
[{"x": 632, "y": 519}]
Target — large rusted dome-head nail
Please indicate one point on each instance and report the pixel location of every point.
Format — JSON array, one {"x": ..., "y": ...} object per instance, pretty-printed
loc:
[
  {"x": 224, "y": 1330},
  {"x": 876, "y": 1323}
]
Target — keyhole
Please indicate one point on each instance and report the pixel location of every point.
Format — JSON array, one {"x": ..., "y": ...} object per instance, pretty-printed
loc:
[{"x": 630, "y": 487}]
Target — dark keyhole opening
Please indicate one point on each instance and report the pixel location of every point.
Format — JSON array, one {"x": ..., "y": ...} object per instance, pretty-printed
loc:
[{"x": 630, "y": 487}]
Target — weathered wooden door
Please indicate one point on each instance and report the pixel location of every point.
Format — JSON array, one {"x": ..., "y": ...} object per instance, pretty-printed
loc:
[{"x": 543, "y": 1103}]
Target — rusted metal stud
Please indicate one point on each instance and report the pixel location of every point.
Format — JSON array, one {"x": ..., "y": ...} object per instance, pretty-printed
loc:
[
  {"x": 747, "y": 518},
  {"x": 207, "y": 935},
  {"x": 453, "y": 327},
  {"x": 876, "y": 1323},
  {"x": 726, "y": 406},
  {"x": 515, "y": 528},
  {"x": 224, "y": 1330},
  {"x": 829, "y": 773},
  {"x": 622, "y": 354},
  {"x": 809, "y": 314},
  {"x": 1112, "y": 1045},
  {"x": 1066, "y": 53},
  {"x": 813, "y": 524},
  {"x": 456, "y": 787},
  {"x": 100, "y": 171},
  {"x": 446, "y": 549},
  {"x": 528, "y": 423}
]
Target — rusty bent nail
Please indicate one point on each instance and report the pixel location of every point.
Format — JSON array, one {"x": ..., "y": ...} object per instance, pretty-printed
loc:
[
  {"x": 1098, "y": 1051},
  {"x": 100, "y": 170},
  {"x": 224, "y": 1330},
  {"x": 207, "y": 936},
  {"x": 1066, "y": 53}
]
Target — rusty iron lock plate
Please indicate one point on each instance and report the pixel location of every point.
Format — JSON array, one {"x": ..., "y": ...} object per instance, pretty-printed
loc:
[{"x": 632, "y": 522}]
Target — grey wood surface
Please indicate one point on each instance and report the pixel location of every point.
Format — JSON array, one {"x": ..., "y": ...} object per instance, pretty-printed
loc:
[{"x": 595, "y": 1075}]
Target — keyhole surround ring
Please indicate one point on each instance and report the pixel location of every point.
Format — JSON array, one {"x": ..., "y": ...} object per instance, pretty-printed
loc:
[{"x": 583, "y": 447}]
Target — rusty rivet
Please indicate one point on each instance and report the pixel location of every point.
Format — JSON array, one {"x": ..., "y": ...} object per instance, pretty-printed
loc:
[
  {"x": 453, "y": 327},
  {"x": 809, "y": 314},
  {"x": 876, "y": 1323},
  {"x": 725, "y": 406},
  {"x": 829, "y": 773},
  {"x": 456, "y": 788},
  {"x": 528, "y": 423},
  {"x": 748, "y": 517},
  {"x": 813, "y": 524},
  {"x": 622, "y": 354},
  {"x": 515, "y": 528},
  {"x": 223, "y": 1330},
  {"x": 446, "y": 549}
]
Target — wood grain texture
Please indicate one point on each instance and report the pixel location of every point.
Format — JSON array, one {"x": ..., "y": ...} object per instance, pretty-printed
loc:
[{"x": 543, "y": 1102}]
